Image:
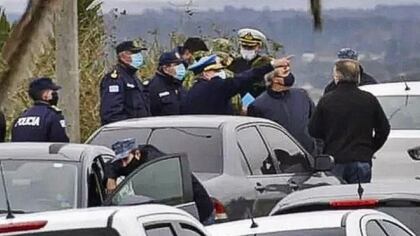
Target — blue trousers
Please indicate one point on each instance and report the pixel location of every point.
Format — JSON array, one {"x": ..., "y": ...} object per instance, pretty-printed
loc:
[{"x": 353, "y": 171}]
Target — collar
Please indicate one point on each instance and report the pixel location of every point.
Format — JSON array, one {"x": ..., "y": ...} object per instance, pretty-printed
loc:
[
  {"x": 275, "y": 94},
  {"x": 41, "y": 103},
  {"x": 168, "y": 78},
  {"x": 127, "y": 68},
  {"x": 346, "y": 84}
]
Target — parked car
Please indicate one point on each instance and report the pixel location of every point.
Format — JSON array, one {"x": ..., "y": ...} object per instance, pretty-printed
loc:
[
  {"x": 400, "y": 200},
  {"x": 322, "y": 223},
  {"x": 145, "y": 220},
  {"x": 401, "y": 102},
  {"x": 55, "y": 176},
  {"x": 238, "y": 159}
]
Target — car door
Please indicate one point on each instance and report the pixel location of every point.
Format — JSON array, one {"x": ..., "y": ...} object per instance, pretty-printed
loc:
[
  {"x": 263, "y": 170},
  {"x": 166, "y": 180},
  {"x": 294, "y": 164}
]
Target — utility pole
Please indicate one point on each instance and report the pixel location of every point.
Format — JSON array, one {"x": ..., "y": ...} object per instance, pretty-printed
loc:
[{"x": 67, "y": 66}]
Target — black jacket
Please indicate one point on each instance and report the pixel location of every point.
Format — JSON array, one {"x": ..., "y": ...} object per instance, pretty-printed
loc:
[
  {"x": 123, "y": 96},
  {"x": 365, "y": 79},
  {"x": 291, "y": 108},
  {"x": 2, "y": 127},
  {"x": 40, "y": 123},
  {"x": 166, "y": 95},
  {"x": 212, "y": 97},
  {"x": 345, "y": 119}
]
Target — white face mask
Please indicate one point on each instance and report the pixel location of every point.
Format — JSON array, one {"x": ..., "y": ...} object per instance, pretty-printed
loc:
[
  {"x": 248, "y": 54},
  {"x": 221, "y": 74}
]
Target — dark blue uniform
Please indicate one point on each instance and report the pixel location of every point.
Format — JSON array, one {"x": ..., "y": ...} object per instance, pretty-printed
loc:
[
  {"x": 123, "y": 96},
  {"x": 291, "y": 108},
  {"x": 213, "y": 96},
  {"x": 40, "y": 123},
  {"x": 166, "y": 95}
]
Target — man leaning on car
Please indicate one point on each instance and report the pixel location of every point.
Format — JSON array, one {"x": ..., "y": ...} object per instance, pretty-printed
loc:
[{"x": 352, "y": 124}]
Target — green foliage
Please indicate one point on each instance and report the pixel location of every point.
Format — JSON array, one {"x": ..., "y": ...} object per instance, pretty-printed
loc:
[{"x": 4, "y": 27}]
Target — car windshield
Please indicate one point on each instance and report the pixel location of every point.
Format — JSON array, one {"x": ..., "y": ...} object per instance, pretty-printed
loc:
[
  {"x": 39, "y": 185},
  {"x": 402, "y": 111},
  {"x": 202, "y": 145}
]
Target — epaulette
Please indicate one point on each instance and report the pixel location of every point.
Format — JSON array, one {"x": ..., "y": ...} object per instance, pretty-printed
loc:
[
  {"x": 56, "y": 109},
  {"x": 146, "y": 82},
  {"x": 114, "y": 74}
]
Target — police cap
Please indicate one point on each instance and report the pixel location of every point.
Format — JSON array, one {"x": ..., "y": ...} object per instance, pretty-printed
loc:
[
  {"x": 123, "y": 148},
  {"x": 168, "y": 58},
  {"x": 132, "y": 46},
  {"x": 251, "y": 37},
  {"x": 206, "y": 63}
]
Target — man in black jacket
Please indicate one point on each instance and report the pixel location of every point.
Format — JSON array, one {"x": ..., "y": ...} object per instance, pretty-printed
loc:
[
  {"x": 348, "y": 53},
  {"x": 2, "y": 127},
  {"x": 352, "y": 124},
  {"x": 166, "y": 91}
]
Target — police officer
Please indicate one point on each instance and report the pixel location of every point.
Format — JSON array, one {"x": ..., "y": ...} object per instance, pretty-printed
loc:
[
  {"x": 128, "y": 158},
  {"x": 2, "y": 127},
  {"x": 123, "y": 96},
  {"x": 166, "y": 91},
  {"x": 212, "y": 92},
  {"x": 43, "y": 122}
]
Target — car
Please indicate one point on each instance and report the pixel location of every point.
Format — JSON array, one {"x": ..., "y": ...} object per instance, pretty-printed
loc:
[
  {"x": 238, "y": 159},
  {"x": 400, "y": 102},
  {"x": 400, "y": 200},
  {"x": 149, "y": 219},
  {"x": 317, "y": 223},
  {"x": 56, "y": 176}
]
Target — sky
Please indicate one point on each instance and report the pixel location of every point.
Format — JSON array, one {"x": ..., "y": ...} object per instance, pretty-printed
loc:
[{"x": 137, "y": 6}]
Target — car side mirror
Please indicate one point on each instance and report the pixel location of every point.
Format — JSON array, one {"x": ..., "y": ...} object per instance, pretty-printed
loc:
[
  {"x": 414, "y": 153},
  {"x": 324, "y": 163}
]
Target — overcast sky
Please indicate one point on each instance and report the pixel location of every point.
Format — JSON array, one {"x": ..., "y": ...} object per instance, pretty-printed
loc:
[{"x": 137, "y": 6}]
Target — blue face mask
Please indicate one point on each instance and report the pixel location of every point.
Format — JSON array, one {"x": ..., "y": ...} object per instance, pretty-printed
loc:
[
  {"x": 180, "y": 72},
  {"x": 136, "y": 60}
]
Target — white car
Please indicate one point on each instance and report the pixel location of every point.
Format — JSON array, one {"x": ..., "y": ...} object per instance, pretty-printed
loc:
[
  {"x": 401, "y": 103},
  {"x": 317, "y": 223},
  {"x": 143, "y": 220}
]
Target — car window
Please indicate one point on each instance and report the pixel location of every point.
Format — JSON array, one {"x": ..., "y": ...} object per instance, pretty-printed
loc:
[
  {"x": 290, "y": 157},
  {"x": 402, "y": 111},
  {"x": 307, "y": 232},
  {"x": 189, "y": 230},
  {"x": 255, "y": 151},
  {"x": 393, "y": 229},
  {"x": 374, "y": 229},
  {"x": 78, "y": 232},
  {"x": 160, "y": 230},
  {"x": 408, "y": 215},
  {"x": 160, "y": 181},
  {"x": 40, "y": 185},
  {"x": 202, "y": 145}
]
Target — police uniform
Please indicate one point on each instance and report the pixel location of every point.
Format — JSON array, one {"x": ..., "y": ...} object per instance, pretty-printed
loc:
[
  {"x": 213, "y": 96},
  {"x": 166, "y": 92},
  {"x": 123, "y": 96}
]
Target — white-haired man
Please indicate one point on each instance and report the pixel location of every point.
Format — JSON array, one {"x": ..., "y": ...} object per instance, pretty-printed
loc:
[{"x": 352, "y": 124}]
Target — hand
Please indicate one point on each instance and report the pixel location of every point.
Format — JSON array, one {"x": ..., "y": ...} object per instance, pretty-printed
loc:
[{"x": 281, "y": 62}]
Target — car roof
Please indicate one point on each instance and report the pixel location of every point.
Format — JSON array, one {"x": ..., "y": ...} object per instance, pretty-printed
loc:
[
  {"x": 296, "y": 221},
  {"x": 210, "y": 121},
  {"x": 95, "y": 217},
  {"x": 47, "y": 151},
  {"x": 324, "y": 194},
  {"x": 390, "y": 89}
]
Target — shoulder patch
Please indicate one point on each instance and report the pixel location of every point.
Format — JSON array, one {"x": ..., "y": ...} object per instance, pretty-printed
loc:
[
  {"x": 146, "y": 82},
  {"x": 114, "y": 74},
  {"x": 56, "y": 109}
]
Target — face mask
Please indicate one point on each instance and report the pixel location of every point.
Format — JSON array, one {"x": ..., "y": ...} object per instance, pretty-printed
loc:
[
  {"x": 54, "y": 99},
  {"x": 248, "y": 54},
  {"x": 289, "y": 80},
  {"x": 136, "y": 60},
  {"x": 221, "y": 74},
  {"x": 180, "y": 72}
]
